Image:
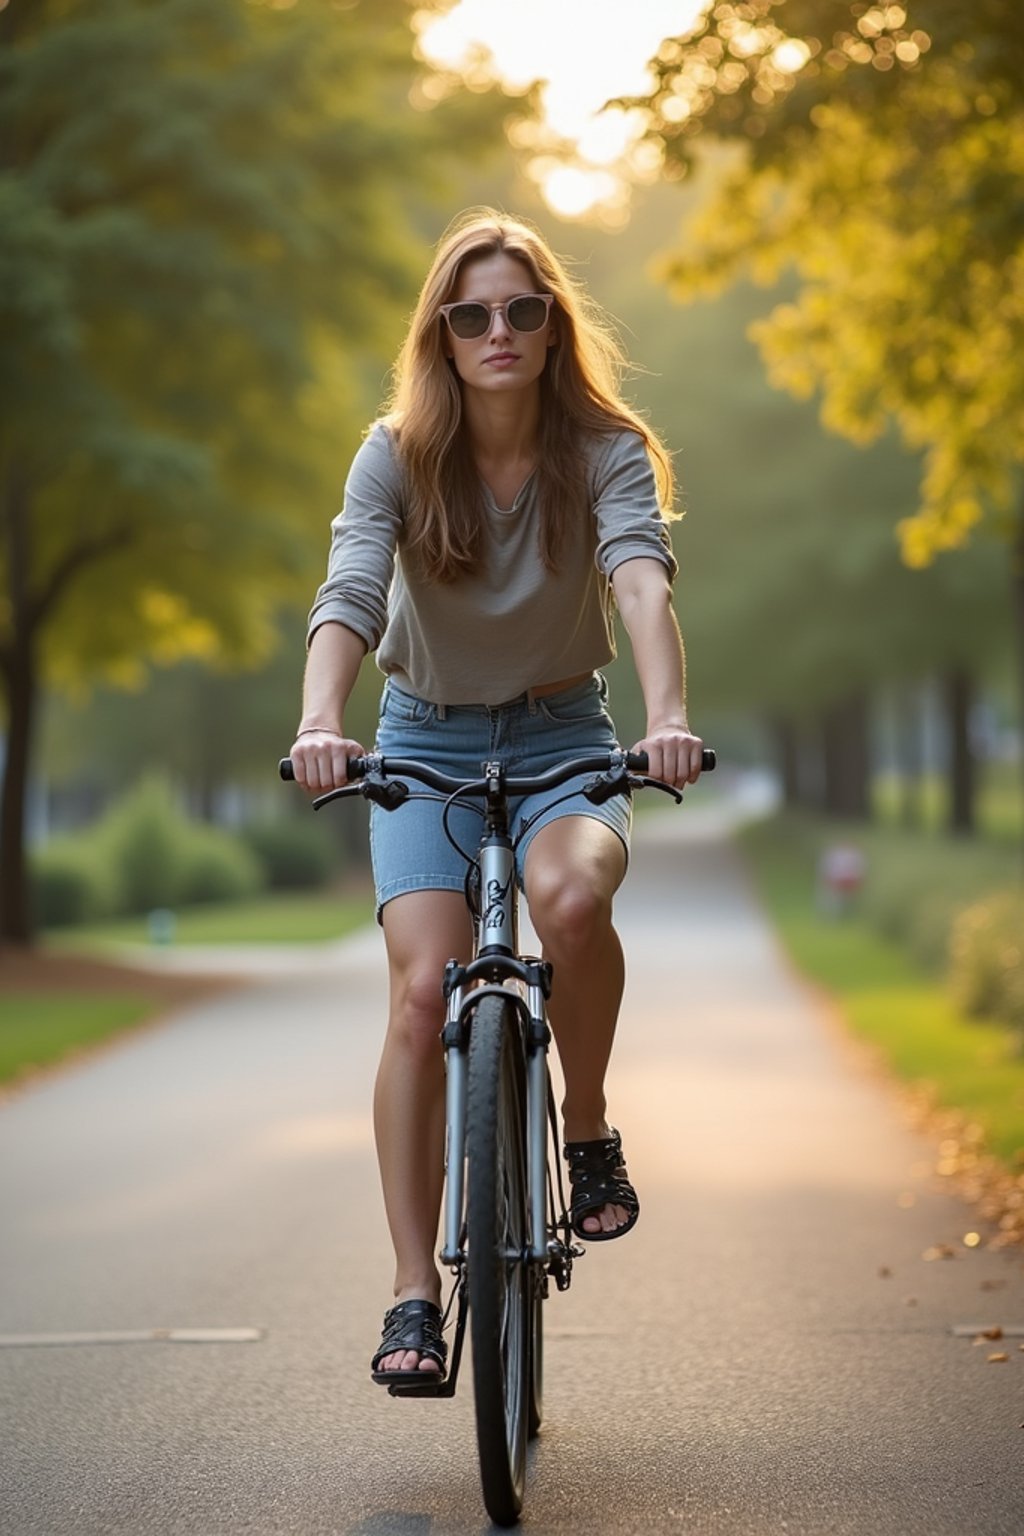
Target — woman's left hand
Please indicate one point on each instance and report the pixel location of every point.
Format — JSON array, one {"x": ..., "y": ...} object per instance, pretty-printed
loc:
[{"x": 674, "y": 755}]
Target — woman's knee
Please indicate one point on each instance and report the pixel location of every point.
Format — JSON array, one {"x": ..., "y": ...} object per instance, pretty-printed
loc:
[
  {"x": 567, "y": 910},
  {"x": 417, "y": 1008}
]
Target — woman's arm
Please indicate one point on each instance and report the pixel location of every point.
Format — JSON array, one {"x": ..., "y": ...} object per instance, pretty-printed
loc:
[
  {"x": 321, "y": 751},
  {"x": 644, "y": 598}
]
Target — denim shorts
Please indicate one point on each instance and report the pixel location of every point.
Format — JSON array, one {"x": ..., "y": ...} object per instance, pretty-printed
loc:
[{"x": 529, "y": 735}]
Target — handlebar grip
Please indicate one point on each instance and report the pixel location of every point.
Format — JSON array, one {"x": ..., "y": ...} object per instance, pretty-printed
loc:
[
  {"x": 636, "y": 762},
  {"x": 356, "y": 769}
]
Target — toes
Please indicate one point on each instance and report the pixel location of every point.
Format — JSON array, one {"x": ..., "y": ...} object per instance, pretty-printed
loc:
[
  {"x": 409, "y": 1360},
  {"x": 608, "y": 1219}
]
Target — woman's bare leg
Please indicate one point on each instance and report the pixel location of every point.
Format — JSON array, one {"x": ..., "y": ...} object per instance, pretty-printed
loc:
[
  {"x": 422, "y": 930},
  {"x": 574, "y": 866}
]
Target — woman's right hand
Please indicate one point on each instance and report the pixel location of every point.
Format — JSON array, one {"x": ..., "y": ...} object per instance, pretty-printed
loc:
[{"x": 320, "y": 759}]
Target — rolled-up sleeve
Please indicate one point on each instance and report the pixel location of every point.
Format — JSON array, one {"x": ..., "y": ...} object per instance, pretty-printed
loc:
[
  {"x": 364, "y": 537},
  {"x": 626, "y": 508}
]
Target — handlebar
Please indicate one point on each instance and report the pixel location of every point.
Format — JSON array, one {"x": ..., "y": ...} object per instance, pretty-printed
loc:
[{"x": 513, "y": 784}]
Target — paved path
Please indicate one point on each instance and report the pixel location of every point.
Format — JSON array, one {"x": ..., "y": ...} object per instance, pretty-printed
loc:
[{"x": 737, "y": 1367}]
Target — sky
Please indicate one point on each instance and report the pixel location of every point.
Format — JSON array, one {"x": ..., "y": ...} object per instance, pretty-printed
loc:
[{"x": 586, "y": 51}]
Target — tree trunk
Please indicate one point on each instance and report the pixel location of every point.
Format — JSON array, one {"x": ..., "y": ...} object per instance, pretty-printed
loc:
[
  {"x": 17, "y": 670},
  {"x": 909, "y": 748},
  {"x": 787, "y": 748},
  {"x": 959, "y": 692},
  {"x": 846, "y": 758}
]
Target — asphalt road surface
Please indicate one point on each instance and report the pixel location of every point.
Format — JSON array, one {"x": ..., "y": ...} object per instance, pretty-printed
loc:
[{"x": 769, "y": 1352}]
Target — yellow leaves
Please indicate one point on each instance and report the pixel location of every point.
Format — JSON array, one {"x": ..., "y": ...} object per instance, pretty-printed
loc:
[{"x": 175, "y": 632}]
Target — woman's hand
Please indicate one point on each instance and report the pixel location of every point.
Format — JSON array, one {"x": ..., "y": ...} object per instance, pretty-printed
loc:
[
  {"x": 320, "y": 759},
  {"x": 674, "y": 754}
]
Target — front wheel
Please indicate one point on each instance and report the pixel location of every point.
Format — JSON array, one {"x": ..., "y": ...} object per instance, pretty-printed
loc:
[{"x": 497, "y": 1233}]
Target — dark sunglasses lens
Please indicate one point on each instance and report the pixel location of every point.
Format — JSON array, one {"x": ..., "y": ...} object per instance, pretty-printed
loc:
[
  {"x": 527, "y": 313},
  {"x": 469, "y": 320}
]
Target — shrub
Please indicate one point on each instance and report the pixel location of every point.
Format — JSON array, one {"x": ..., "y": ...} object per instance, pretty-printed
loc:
[
  {"x": 987, "y": 959},
  {"x": 216, "y": 866},
  {"x": 143, "y": 839},
  {"x": 69, "y": 885},
  {"x": 296, "y": 853}
]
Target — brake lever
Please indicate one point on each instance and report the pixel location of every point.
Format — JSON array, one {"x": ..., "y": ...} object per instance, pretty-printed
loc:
[
  {"x": 343, "y": 793},
  {"x": 644, "y": 781}
]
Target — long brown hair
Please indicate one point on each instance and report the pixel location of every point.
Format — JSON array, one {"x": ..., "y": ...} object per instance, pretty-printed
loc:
[{"x": 579, "y": 395}]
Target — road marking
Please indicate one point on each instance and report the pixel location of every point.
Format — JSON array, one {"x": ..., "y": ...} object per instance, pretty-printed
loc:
[{"x": 136, "y": 1336}]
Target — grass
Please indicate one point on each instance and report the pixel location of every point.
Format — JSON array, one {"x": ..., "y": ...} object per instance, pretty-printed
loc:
[
  {"x": 291, "y": 918},
  {"x": 889, "y": 1000},
  {"x": 38, "y": 1029}
]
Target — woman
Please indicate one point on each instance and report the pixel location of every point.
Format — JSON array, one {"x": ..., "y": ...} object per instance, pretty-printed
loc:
[{"x": 490, "y": 519}]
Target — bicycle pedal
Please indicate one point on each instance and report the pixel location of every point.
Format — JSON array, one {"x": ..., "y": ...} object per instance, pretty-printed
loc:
[{"x": 441, "y": 1389}]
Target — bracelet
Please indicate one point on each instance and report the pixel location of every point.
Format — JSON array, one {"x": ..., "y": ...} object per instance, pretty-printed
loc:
[{"x": 311, "y": 730}]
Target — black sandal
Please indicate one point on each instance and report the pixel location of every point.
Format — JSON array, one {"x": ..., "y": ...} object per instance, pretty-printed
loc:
[
  {"x": 598, "y": 1177},
  {"x": 411, "y": 1325}
]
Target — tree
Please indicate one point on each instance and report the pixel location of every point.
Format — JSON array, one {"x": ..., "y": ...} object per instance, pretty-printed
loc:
[
  {"x": 202, "y": 235},
  {"x": 878, "y": 155}
]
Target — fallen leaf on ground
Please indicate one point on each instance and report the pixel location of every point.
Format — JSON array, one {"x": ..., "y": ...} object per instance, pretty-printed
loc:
[{"x": 999, "y": 1359}]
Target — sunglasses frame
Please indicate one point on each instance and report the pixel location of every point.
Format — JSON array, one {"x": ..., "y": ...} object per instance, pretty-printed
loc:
[{"x": 495, "y": 309}]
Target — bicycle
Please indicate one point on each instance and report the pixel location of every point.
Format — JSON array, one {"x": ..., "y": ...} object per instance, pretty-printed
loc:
[{"x": 506, "y": 1229}]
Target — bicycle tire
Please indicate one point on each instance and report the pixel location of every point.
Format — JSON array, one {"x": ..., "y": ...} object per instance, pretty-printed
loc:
[{"x": 498, "y": 1265}]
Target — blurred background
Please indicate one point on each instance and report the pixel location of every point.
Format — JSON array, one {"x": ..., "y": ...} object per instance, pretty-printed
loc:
[{"x": 804, "y": 217}]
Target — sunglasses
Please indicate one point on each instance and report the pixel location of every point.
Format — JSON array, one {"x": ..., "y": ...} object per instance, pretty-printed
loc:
[{"x": 525, "y": 313}]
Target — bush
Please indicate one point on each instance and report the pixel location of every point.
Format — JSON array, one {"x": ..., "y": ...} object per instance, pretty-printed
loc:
[
  {"x": 143, "y": 839},
  {"x": 215, "y": 866},
  {"x": 296, "y": 853},
  {"x": 69, "y": 885},
  {"x": 153, "y": 856},
  {"x": 987, "y": 959}
]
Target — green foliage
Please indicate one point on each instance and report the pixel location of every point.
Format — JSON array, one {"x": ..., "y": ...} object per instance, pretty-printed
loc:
[
  {"x": 987, "y": 959},
  {"x": 144, "y": 854},
  {"x": 216, "y": 866},
  {"x": 296, "y": 853},
  {"x": 878, "y": 154},
  {"x": 202, "y": 225},
  {"x": 70, "y": 885},
  {"x": 141, "y": 840},
  {"x": 206, "y": 220}
]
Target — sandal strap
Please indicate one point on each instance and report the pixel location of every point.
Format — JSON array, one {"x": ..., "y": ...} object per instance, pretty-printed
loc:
[
  {"x": 598, "y": 1176},
  {"x": 412, "y": 1325}
]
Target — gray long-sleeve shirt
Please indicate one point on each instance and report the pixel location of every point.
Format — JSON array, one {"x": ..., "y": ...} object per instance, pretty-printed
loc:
[{"x": 513, "y": 624}]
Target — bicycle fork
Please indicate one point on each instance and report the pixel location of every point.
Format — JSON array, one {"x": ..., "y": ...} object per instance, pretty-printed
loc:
[{"x": 494, "y": 968}]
